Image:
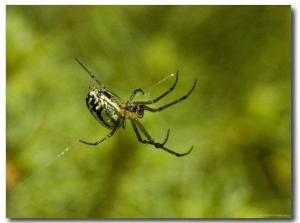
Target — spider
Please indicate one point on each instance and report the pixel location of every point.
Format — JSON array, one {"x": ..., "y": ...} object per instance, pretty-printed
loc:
[{"x": 111, "y": 112}]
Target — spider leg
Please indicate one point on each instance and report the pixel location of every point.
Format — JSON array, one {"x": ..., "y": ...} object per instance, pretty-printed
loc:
[
  {"x": 104, "y": 138},
  {"x": 175, "y": 153},
  {"x": 172, "y": 103},
  {"x": 90, "y": 73},
  {"x": 138, "y": 126},
  {"x": 135, "y": 92},
  {"x": 163, "y": 95}
]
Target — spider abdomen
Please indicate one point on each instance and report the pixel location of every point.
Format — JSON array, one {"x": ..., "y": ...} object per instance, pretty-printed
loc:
[{"x": 104, "y": 106}]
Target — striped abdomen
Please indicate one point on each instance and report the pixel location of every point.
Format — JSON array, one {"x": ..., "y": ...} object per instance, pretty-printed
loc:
[{"x": 104, "y": 106}]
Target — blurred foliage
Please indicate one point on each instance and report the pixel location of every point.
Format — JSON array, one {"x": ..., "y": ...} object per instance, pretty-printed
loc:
[{"x": 238, "y": 118}]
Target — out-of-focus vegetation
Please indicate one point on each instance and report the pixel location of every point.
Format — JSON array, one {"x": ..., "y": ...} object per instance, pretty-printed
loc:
[{"x": 238, "y": 118}]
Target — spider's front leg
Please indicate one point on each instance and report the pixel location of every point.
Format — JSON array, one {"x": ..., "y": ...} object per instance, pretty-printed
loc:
[{"x": 135, "y": 92}]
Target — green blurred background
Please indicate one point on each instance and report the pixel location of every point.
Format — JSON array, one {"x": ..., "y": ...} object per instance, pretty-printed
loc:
[{"x": 238, "y": 118}]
